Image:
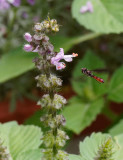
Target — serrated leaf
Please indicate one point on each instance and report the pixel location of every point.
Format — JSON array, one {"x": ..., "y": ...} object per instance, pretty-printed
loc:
[
  {"x": 116, "y": 86},
  {"x": 5, "y": 131},
  {"x": 89, "y": 88},
  {"x": 80, "y": 115},
  {"x": 106, "y": 18},
  {"x": 19, "y": 139},
  {"x": 117, "y": 129},
  {"x": 23, "y": 138},
  {"x": 30, "y": 155},
  {"x": 90, "y": 146}
]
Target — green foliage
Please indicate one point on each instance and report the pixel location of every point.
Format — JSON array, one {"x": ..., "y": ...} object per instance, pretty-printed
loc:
[
  {"x": 85, "y": 107},
  {"x": 100, "y": 147},
  {"x": 117, "y": 128},
  {"x": 106, "y": 18},
  {"x": 74, "y": 157},
  {"x": 17, "y": 62},
  {"x": 21, "y": 141},
  {"x": 119, "y": 141},
  {"x": 79, "y": 115},
  {"x": 35, "y": 120},
  {"x": 90, "y": 89},
  {"x": 90, "y": 148},
  {"x": 115, "y": 92},
  {"x": 30, "y": 155}
]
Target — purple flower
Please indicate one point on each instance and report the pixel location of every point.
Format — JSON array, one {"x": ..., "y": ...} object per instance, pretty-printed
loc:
[
  {"x": 60, "y": 65},
  {"x": 28, "y": 37},
  {"x": 31, "y": 2},
  {"x": 4, "y": 5},
  {"x": 25, "y": 15},
  {"x": 15, "y": 3},
  {"x": 28, "y": 47},
  {"x": 87, "y": 8}
]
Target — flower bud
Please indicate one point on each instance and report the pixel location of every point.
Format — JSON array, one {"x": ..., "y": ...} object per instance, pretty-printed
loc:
[
  {"x": 47, "y": 154},
  {"x": 49, "y": 139},
  {"x": 61, "y": 155},
  {"x": 48, "y": 83},
  {"x": 57, "y": 102},
  {"x": 38, "y": 27},
  {"x": 37, "y": 37},
  {"x": 28, "y": 37},
  {"x": 28, "y": 47},
  {"x": 4, "y": 155}
]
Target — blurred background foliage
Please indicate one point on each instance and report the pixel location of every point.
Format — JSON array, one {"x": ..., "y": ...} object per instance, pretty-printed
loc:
[{"x": 96, "y": 37}]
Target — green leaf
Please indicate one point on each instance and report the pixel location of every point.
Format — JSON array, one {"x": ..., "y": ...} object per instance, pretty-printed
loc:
[
  {"x": 89, "y": 148},
  {"x": 5, "y": 131},
  {"x": 106, "y": 18},
  {"x": 20, "y": 139},
  {"x": 80, "y": 115},
  {"x": 23, "y": 138},
  {"x": 117, "y": 129},
  {"x": 17, "y": 62},
  {"x": 30, "y": 155},
  {"x": 75, "y": 157},
  {"x": 89, "y": 88},
  {"x": 119, "y": 141},
  {"x": 116, "y": 86}
]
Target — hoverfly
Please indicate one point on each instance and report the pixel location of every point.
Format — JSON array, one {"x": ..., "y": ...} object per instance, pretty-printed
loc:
[{"x": 90, "y": 74}]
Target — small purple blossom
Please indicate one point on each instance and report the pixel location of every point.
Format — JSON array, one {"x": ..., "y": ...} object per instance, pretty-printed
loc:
[
  {"x": 4, "y": 5},
  {"x": 28, "y": 47},
  {"x": 16, "y": 3},
  {"x": 60, "y": 65},
  {"x": 87, "y": 8},
  {"x": 31, "y": 2},
  {"x": 28, "y": 37},
  {"x": 24, "y": 15}
]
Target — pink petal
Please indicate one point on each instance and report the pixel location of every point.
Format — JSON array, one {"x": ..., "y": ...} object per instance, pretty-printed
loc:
[{"x": 60, "y": 65}]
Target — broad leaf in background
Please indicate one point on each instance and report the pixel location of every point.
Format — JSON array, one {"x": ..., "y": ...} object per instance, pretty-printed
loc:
[
  {"x": 119, "y": 141},
  {"x": 90, "y": 147},
  {"x": 17, "y": 62},
  {"x": 89, "y": 88},
  {"x": 30, "y": 155},
  {"x": 75, "y": 157},
  {"x": 117, "y": 129},
  {"x": 20, "y": 139},
  {"x": 79, "y": 115},
  {"x": 106, "y": 17},
  {"x": 116, "y": 86}
]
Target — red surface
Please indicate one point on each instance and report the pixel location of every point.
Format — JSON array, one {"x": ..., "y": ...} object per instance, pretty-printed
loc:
[{"x": 24, "y": 109}]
